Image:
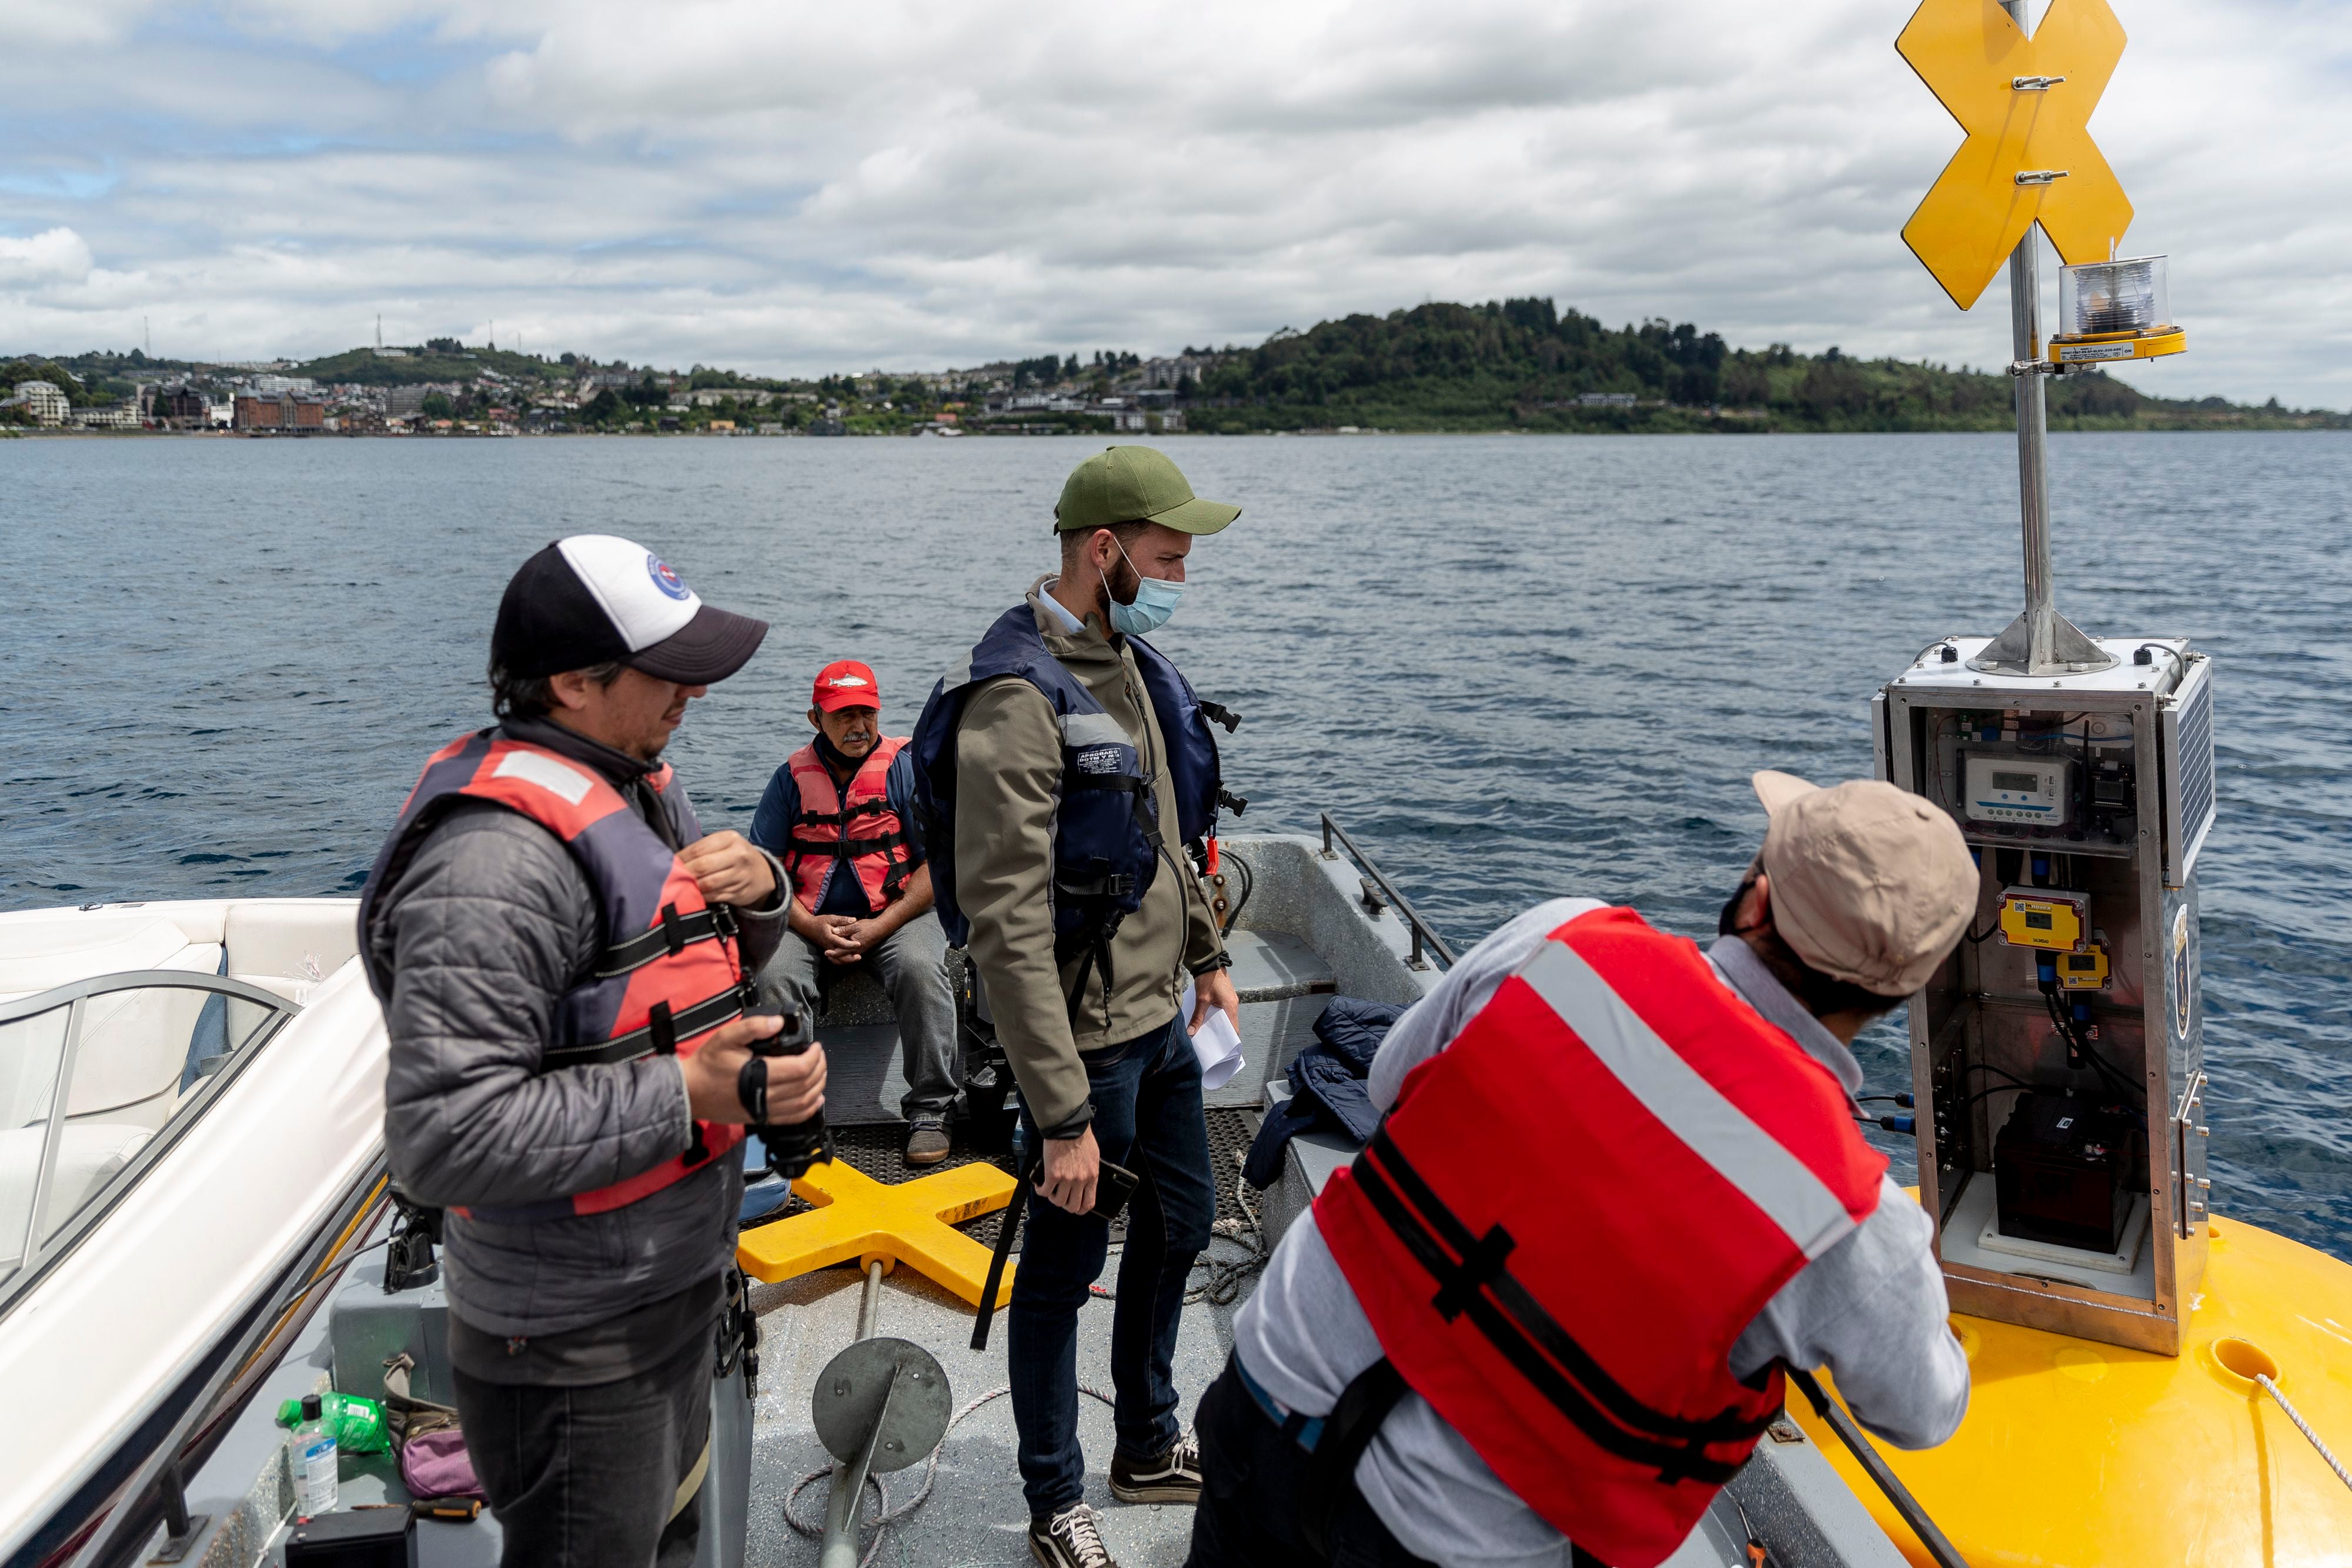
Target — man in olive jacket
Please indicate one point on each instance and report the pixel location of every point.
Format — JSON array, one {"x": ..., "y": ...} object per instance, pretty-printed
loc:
[{"x": 1104, "y": 1060}]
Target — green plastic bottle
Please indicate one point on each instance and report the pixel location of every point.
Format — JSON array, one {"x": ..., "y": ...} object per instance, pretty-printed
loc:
[{"x": 357, "y": 1423}]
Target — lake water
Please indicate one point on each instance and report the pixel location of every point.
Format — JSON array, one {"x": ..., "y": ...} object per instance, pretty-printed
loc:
[{"x": 1513, "y": 667}]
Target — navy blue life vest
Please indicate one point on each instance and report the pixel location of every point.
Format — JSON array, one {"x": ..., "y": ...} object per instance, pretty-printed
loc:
[{"x": 1108, "y": 836}]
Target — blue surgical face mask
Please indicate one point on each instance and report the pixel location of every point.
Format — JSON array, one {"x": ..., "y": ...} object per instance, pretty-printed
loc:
[{"x": 1155, "y": 602}]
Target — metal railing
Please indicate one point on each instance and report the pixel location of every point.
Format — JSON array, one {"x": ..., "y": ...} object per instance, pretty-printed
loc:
[{"x": 1423, "y": 932}]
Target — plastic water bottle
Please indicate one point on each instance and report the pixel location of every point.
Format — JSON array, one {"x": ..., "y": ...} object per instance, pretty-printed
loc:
[{"x": 310, "y": 1453}]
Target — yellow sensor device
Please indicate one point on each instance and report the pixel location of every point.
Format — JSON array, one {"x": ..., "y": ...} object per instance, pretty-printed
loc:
[
  {"x": 2050, "y": 918},
  {"x": 2084, "y": 971}
]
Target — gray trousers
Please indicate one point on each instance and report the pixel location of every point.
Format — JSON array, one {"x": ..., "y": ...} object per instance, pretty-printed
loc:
[{"x": 911, "y": 965}]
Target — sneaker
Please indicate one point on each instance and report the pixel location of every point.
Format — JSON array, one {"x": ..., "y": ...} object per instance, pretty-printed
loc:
[
  {"x": 1173, "y": 1477},
  {"x": 927, "y": 1141},
  {"x": 1068, "y": 1539}
]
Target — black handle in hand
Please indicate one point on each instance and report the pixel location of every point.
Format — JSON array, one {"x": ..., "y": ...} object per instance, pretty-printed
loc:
[
  {"x": 986, "y": 1315},
  {"x": 1868, "y": 1456}
]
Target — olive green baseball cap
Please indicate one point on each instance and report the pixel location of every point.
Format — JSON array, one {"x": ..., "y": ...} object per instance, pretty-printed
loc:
[{"x": 1135, "y": 484}]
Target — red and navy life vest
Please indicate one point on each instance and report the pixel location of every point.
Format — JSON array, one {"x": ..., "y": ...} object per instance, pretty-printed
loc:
[
  {"x": 856, "y": 829},
  {"x": 670, "y": 972},
  {"x": 1574, "y": 1211}
]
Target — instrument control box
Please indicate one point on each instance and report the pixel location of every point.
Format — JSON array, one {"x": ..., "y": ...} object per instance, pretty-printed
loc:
[
  {"x": 2036, "y": 789},
  {"x": 2055, "y": 919},
  {"x": 2059, "y": 1172}
]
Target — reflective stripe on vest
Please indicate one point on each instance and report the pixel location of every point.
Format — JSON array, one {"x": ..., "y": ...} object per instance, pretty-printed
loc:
[
  {"x": 671, "y": 973},
  {"x": 858, "y": 830},
  {"x": 1576, "y": 1207}
]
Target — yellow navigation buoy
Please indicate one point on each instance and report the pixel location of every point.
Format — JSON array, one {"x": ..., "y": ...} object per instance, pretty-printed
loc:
[
  {"x": 2101, "y": 1456},
  {"x": 911, "y": 1223}
]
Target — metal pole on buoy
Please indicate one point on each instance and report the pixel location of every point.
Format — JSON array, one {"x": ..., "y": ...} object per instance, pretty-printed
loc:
[{"x": 2039, "y": 642}]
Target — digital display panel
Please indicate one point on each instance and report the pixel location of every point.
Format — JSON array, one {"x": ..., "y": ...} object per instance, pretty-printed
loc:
[
  {"x": 2036, "y": 920},
  {"x": 2023, "y": 783}
]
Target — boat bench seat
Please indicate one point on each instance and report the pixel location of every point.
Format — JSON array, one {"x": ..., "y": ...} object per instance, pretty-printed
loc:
[{"x": 89, "y": 1154}]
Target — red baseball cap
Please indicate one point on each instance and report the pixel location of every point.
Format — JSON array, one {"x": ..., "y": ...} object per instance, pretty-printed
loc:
[{"x": 845, "y": 682}]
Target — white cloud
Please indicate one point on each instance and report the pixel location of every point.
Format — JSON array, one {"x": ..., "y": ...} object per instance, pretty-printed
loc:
[
  {"x": 56, "y": 255},
  {"x": 806, "y": 188}
]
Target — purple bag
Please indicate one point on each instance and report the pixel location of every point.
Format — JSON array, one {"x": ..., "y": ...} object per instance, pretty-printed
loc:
[
  {"x": 435, "y": 1464},
  {"x": 433, "y": 1458}
]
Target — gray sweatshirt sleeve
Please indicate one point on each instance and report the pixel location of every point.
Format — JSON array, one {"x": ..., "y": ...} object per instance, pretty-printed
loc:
[
  {"x": 1873, "y": 1310},
  {"x": 485, "y": 930}
]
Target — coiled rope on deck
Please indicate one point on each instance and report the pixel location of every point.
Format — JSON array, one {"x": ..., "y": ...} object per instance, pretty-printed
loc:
[{"x": 2303, "y": 1427}]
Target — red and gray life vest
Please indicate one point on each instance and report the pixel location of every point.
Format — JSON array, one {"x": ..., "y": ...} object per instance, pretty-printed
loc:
[
  {"x": 670, "y": 972},
  {"x": 855, "y": 828},
  {"x": 1575, "y": 1211}
]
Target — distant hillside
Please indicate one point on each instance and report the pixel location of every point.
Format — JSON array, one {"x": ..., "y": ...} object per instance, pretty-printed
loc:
[
  {"x": 1523, "y": 364},
  {"x": 441, "y": 363}
]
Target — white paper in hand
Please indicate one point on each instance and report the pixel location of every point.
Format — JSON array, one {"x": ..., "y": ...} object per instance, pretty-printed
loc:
[{"x": 1218, "y": 1044}]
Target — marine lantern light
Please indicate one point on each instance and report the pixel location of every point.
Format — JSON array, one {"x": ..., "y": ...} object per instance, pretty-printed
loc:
[{"x": 2114, "y": 311}]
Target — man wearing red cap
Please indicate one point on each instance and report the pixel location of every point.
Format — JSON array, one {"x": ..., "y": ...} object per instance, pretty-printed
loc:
[{"x": 840, "y": 815}]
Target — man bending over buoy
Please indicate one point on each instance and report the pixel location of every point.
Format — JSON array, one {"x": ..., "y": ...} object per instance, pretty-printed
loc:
[{"x": 1541, "y": 1319}]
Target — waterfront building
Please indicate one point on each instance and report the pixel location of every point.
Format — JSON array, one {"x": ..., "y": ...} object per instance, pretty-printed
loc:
[
  {"x": 48, "y": 405},
  {"x": 284, "y": 415}
]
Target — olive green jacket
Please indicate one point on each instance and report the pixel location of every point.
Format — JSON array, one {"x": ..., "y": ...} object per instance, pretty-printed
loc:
[{"x": 1008, "y": 785}]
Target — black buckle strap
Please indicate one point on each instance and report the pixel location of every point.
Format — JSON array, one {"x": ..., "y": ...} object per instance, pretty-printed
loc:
[
  {"x": 1480, "y": 1266},
  {"x": 664, "y": 1029},
  {"x": 1347, "y": 1431},
  {"x": 878, "y": 806},
  {"x": 1515, "y": 1299},
  {"x": 1217, "y": 713},
  {"x": 830, "y": 849},
  {"x": 1678, "y": 1448},
  {"x": 671, "y": 935}
]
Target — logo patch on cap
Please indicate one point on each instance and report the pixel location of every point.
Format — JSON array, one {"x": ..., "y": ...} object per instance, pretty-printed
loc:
[
  {"x": 838, "y": 682},
  {"x": 666, "y": 577}
]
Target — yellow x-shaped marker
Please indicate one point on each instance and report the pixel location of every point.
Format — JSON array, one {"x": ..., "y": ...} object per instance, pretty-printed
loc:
[
  {"x": 1971, "y": 57},
  {"x": 911, "y": 1223}
]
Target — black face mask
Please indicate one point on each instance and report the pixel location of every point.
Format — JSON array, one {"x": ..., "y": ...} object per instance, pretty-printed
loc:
[
  {"x": 833, "y": 756},
  {"x": 1728, "y": 923}
]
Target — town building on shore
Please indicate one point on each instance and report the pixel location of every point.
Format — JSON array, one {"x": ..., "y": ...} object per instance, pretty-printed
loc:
[{"x": 42, "y": 400}]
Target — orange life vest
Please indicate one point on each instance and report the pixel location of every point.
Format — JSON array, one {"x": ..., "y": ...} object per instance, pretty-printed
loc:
[
  {"x": 1576, "y": 1207},
  {"x": 857, "y": 828},
  {"x": 671, "y": 972}
]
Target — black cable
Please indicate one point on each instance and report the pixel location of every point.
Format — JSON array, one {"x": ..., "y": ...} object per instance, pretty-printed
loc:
[
  {"x": 2005, "y": 1072},
  {"x": 1249, "y": 886}
]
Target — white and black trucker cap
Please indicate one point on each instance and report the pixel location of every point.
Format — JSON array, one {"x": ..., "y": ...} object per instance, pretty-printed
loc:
[{"x": 595, "y": 597}]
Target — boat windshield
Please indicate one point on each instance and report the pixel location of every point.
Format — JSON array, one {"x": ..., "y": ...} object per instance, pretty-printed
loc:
[{"x": 97, "y": 1077}]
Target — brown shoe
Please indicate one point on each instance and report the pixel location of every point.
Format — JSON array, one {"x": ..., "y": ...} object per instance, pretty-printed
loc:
[{"x": 927, "y": 1141}]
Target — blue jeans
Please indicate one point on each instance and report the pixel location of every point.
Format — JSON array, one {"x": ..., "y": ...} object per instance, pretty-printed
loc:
[{"x": 1147, "y": 1119}]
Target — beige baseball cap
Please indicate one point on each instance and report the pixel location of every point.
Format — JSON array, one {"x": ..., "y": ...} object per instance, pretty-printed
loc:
[{"x": 1870, "y": 883}]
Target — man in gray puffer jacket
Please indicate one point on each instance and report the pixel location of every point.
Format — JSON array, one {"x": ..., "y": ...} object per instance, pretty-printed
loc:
[{"x": 590, "y": 1173}]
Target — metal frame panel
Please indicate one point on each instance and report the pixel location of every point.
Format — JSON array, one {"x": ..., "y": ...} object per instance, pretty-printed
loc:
[{"x": 1968, "y": 1014}]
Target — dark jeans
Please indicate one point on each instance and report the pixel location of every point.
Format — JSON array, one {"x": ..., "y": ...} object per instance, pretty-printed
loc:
[
  {"x": 1147, "y": 1119},
  {"x": 580, "y": 1478},
  {"x": 1253, "y": 1477}
]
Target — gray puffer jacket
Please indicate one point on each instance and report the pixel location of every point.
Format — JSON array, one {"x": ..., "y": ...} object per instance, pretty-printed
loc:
[{"x": 489, "y": 924}]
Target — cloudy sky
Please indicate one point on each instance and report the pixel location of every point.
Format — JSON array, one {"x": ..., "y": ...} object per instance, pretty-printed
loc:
[{"x": 792, "y": 187}]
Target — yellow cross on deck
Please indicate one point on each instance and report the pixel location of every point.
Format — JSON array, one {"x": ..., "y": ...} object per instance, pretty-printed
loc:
[
  {"x": 2025, "y": 104},
  {"x": 911, "y": 1223}
]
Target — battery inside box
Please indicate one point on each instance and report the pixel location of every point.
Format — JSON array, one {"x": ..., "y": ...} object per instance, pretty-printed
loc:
[{"x": 2061, "y": 1171}]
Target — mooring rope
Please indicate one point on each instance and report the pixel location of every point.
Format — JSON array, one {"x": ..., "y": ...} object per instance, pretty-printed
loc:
[{"x": 2304, "y": 1427}]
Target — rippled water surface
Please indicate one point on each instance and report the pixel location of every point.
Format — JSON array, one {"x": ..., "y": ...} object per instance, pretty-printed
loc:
[{"x": 1514, "y": 667}]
